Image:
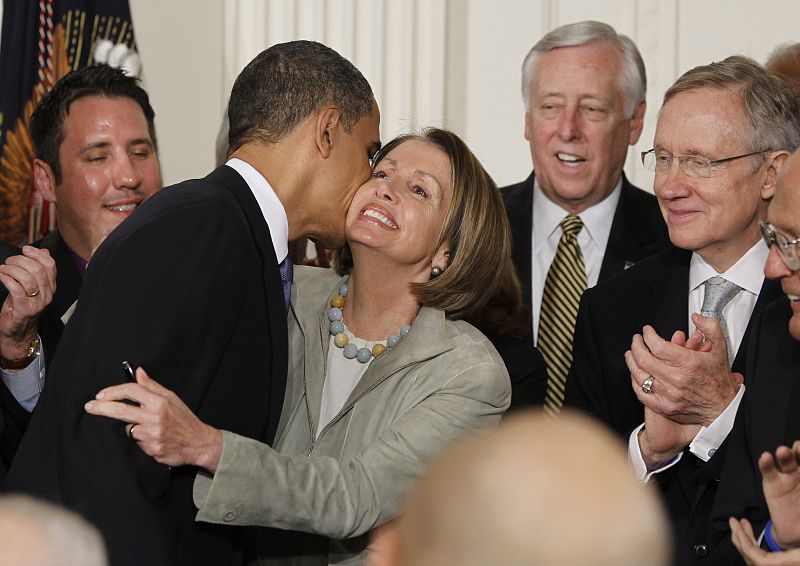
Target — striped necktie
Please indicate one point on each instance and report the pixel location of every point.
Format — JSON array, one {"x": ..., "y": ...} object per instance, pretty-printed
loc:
[{"x": 565, "y": 282}]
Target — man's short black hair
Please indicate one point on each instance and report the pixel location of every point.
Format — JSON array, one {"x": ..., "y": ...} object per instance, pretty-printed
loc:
[
  {"x": 288, "y": 82},
  {"x": 47, "y": 120}
]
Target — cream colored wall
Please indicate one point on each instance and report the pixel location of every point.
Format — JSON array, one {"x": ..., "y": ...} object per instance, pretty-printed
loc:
[
  {"x": 180, "y": 42},
  {"x": 443, "y": 62}
]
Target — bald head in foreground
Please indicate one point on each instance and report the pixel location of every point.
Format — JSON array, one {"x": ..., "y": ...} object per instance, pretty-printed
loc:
[
  {"x": 519, "y": 496},
  {"x": 36, "y": 533}
]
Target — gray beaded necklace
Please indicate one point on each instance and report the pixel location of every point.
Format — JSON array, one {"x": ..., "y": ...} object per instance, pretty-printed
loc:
[{"x": 342, "y": 340}]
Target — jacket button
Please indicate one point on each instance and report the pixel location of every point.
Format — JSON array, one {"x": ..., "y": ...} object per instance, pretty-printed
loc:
[
  {"x": 700, "y": 550},
  {"x": 232, "y": 515}
]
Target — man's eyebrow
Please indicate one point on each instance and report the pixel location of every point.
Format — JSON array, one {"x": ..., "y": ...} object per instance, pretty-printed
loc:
[{"x": 95, "y": 145}]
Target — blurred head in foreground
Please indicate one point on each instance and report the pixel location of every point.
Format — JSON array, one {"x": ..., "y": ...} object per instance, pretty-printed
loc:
[{"x": 533, "y": 491}]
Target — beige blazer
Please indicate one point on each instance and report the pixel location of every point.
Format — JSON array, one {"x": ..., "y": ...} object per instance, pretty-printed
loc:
[{"x": 442, "y": 380}]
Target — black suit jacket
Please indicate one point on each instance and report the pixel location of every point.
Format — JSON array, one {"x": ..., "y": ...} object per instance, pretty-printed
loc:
[
  {"x": 189, "y": 288},
  {"x": 13, "y": 418},
  {"x": 68, "y": 285},
  {"x": 637, "y": 231},
  {"x": 654, "y": 292},
  {"x": 768, "y": 417}
]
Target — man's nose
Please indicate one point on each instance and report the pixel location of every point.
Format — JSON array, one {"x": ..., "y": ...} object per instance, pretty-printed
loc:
[
  {"x": 126, "y": 174},
  {"x": 671, "y": 183},
  {"x": 569, "y": 126},
  {"x": 776, "y": 267}
]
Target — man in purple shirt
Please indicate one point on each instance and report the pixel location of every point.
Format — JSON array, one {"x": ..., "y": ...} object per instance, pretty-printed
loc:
[{"x": 95, "y": 161}]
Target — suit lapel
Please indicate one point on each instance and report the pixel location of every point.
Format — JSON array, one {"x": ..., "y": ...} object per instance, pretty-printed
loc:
[
  {"x": 519, "y": 209},
  {"x": 68, "y": 278},
  {"x": 670, "y": 291},
  {"x": 427, "y": 339},
  {"x": 273, "y": 288},
  {"x": 623, "y": 248},
  {"x": 770, "y": 291}
]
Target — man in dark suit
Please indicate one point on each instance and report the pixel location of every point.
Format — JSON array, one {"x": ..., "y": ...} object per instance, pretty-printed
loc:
[
  {"x": 94, "y": 141},
  {"x": 768, "y": 417},
  {"x": 723, "y": 133},
  {"x": 28, "y": 280},
  {"x": 194, "y": 286},
  {"x": 584, "y": 91}
]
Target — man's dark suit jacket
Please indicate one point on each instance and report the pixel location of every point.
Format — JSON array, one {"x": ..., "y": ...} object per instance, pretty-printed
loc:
[
  {"x": 768, "y": 417},
  {"x": 637, "y": 231},
  {"x": 13, "y": 418},
  {"x": 654, "y": 292},
  {"x": 188, "y": 287},
  {"x": 68, "y": 285}
]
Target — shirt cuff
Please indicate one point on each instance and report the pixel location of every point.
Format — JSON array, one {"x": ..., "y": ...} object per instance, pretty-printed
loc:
[
  {"x": 710, "y": 438},
  {"x": 26, "y": 384},
  {"x": 640, "y": 469}
]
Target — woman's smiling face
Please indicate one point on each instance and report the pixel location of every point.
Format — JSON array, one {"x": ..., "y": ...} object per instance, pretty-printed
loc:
[{"x": 400, "y": 210}]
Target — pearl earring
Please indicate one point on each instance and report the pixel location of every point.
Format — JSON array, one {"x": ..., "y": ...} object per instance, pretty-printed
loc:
[{"x": 436, "y": 271}]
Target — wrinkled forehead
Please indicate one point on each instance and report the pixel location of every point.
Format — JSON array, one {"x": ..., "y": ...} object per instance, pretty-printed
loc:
[{"x": 700, "y": 119}]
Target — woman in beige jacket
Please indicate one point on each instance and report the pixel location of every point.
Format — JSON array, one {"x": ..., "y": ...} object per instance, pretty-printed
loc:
[{"x": 384, "y": 373}]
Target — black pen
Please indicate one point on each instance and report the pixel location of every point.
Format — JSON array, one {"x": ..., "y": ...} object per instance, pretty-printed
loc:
[{"x": 129, "y": 371}]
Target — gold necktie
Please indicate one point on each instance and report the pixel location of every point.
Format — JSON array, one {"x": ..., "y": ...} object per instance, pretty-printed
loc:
[{"x": 566, "y": 280}]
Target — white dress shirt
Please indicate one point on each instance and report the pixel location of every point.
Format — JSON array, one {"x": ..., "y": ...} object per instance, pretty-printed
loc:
[
  {"x": 747, "y": 273},
  {"x": 26, "y": 384},
  {"x": 270, "y": 204},
  {"x": 546, "y": 233}
]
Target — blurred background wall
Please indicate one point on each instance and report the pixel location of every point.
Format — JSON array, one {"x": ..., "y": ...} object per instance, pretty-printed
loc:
[{"x": 452, "y": 63}]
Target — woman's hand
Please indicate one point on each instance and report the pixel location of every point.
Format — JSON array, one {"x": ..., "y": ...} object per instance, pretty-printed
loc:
[
  {"x": 744, "y": 539},
  {"x": 162, "y": 425}
]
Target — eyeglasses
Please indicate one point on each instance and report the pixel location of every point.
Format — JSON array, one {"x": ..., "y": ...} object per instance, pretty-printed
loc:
[
  {"x": 695, "y": 166},
  {"x": 787, "y": 247}
]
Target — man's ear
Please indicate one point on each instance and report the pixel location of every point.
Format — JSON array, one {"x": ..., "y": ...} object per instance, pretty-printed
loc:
[
  {"x": 326, "y": 126},
  {"x": 774, "y": 162},
  {"x": 528, "y": 126},
  {"x": 44, "y": 180},
  {"x": 637, "y": 123}
]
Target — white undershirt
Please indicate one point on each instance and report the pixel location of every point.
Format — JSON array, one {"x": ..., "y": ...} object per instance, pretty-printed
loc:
[
  {"x": 342, "y": 377},
  {"x": 546, "y": 232}
]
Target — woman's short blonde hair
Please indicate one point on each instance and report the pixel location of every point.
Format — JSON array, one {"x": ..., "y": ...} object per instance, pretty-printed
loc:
[{"x": 479, "y": 273}]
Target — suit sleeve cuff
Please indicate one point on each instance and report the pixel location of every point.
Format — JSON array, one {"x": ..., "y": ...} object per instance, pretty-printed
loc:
[
  {"x": 710, "y": 438},
  {"x": 640, "y": 469}
]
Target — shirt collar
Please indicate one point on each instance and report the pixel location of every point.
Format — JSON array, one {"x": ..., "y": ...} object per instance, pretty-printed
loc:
[
  {"x": 270, "y": 204},
  {"x": 597, "y": 219},
  {"x": 747, "y": 273}
]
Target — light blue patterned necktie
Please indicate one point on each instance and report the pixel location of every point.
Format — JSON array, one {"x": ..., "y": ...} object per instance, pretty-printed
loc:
[{"x": 718, "y": 293}]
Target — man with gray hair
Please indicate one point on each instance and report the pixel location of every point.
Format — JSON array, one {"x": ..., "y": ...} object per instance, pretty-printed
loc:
[
  {"x": 36, "y": 533},
  {"x": 577, "y": 220},
  {"x": 723, "y": 133}
]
